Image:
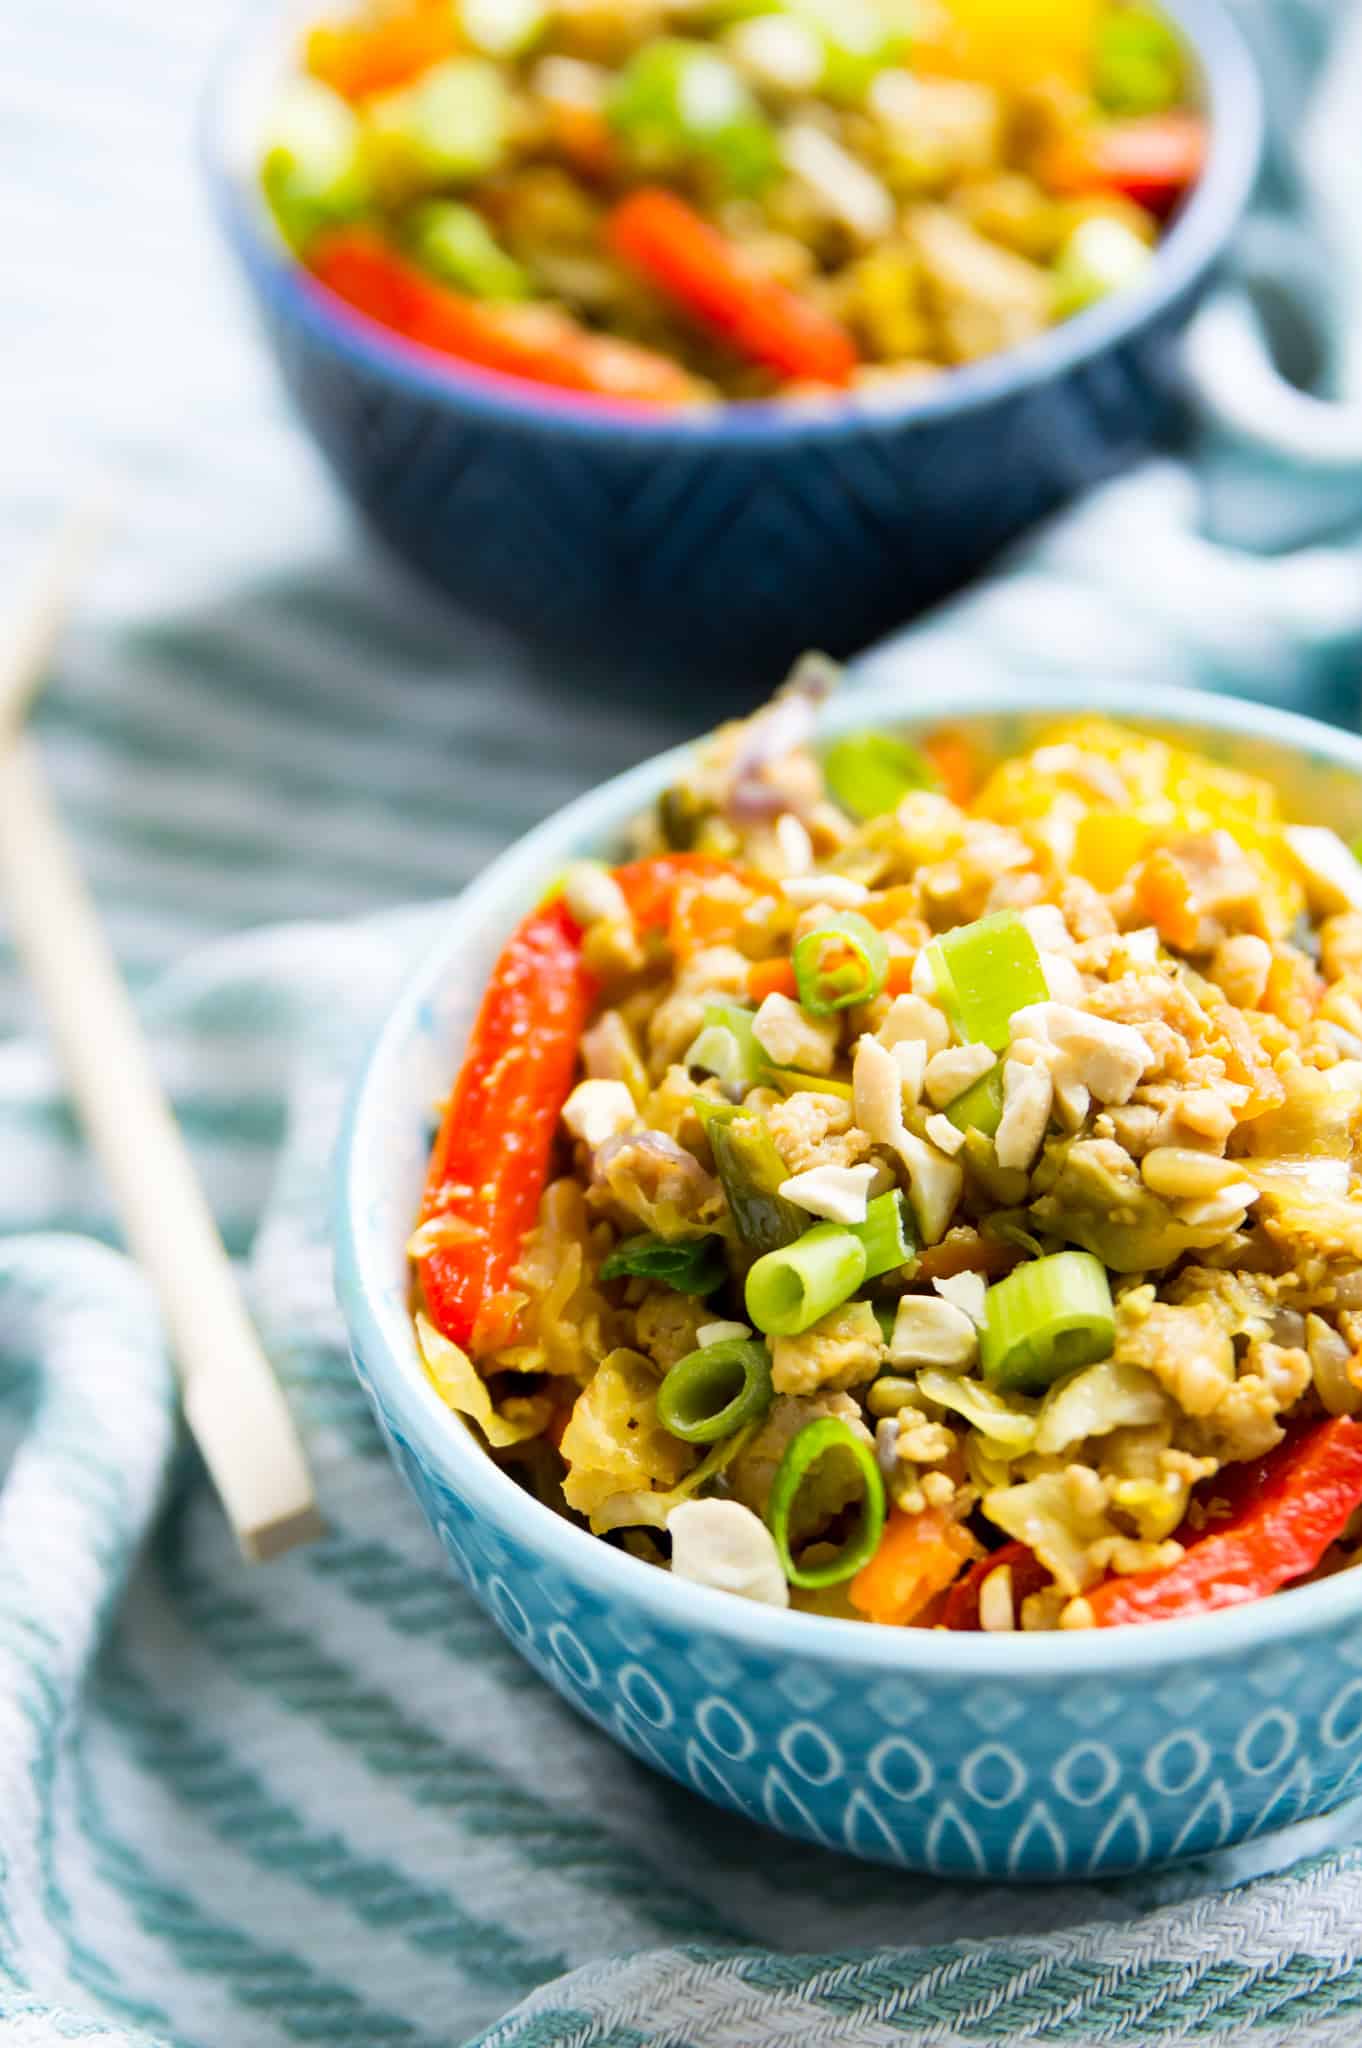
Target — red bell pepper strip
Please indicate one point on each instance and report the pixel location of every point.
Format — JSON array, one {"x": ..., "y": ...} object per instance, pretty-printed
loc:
[
  {"x": 1306, "y": 1492},
  {"x": 670, "y": 244},
  {"x": 537, "y": 343},
  {"x": 490, "y": 1161},
  {"x": 1152, "y": 161},
  {"x": 1029, "y": 1575},
  {"x": 491, "y": 1158}
]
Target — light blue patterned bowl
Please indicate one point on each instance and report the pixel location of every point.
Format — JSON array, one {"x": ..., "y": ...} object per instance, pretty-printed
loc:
[
  {"x": 1018, "y": 1757},
  {"x": 730, "y": 539}
]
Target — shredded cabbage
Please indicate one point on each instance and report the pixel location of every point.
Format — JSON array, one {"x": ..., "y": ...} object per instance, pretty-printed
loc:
[
  {"x": 1101, "y": 1398},
  {"x": 650, "y": 1510},
  {"x": 1005, "y": 1420},
  {"x": 614, "y": 1442},
  {"x": 459, "y": 1385},
  {"x": 1048, "y": 1516}
]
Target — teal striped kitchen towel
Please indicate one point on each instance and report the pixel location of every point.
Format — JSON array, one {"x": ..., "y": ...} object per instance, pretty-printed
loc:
[{"x": 324, "y": 1803}]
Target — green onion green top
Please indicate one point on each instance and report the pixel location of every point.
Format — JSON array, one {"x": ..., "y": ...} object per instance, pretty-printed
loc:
[
  {"x": 791, "y": 1289},
  {"x": 843, "y": 962},
  {"x": 712, "y": 1393},
  {"x": 751, "y": 1171},
  {"x": 1048, "y": 1317},
  {"x": 829, "y": 1436},
  {"x": 691, "y": 1265}
]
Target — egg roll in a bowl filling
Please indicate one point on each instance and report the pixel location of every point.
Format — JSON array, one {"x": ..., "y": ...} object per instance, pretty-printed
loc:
[{"x": 920, "y": 1188}]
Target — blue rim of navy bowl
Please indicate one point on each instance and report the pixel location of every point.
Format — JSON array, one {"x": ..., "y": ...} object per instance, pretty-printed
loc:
[
  {"x": 445, "y": 1444},
  {"x": 1194, "y": 243}
]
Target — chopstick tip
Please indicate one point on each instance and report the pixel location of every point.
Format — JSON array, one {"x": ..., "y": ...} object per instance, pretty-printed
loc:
[{"x": 265, "y": 1541}]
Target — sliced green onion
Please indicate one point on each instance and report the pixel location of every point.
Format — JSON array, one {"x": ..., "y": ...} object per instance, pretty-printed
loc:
[
  {"x": 450, "y": 127},
  {"x": 690, "y": 1265},
  {"x": 791, "y": 1289},
  {"x": 710, "y": 1393},
  {"x": 829, "y": 1436},
  {"x": 980, "y": 1108},
  {"x": 983, "y": 972},
  {"x": 1048, "y": 1317},
  {"x": 844, "y": 961},
  {"x": 677, "y": 103},
  {"x": 502, "y": 28},
  {"x": 868, "y": 773},
  {"x": 791, "y": 1082},
  {"x": 887, "y": 1234},
  {"x": 727, "y": 1048},
  {"x": 455, "y": 244},
  {"x": 1138, "y": 65},
  {"x": 858, "y": 41},
  {"x": 751, "y": 1171},
  {"x": 312, "y": 172},
  {"x": 1101, "y": 256}
]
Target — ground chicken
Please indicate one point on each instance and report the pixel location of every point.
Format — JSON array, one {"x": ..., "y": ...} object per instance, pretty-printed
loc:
[
  {"x": 1187, "y": 1350},
  {"x": 1340, "y": 944},
  {"x": 844, "y": 1350},
  {"x": 815, "y": 1130},
  {"x": 665, "y": 1326}
]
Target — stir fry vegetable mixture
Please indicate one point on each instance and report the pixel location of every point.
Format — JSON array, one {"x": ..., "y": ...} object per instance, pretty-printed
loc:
[
  {"x": 923, "y": 1191},
  {"x": 668, "y": 201}
]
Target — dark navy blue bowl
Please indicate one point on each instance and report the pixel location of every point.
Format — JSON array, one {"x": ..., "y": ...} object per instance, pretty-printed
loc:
[{"x": 733, "y": 538}]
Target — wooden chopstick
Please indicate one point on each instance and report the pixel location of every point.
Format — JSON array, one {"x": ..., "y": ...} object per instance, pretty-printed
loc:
[{"x": 232, "y": 1401}]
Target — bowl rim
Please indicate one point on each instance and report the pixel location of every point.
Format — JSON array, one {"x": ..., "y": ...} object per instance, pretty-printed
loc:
[
  {"x": 1193, "y": 244},
  {"x": 507, "y": 887}
]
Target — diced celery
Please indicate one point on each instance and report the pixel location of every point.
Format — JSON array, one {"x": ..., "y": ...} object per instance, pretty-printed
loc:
[
  {"x": 871, "y": 772},
  {"x": 455, "y": 244},
  {"x": 312, "y": 171},
  {"x": 980, "y": 1108},
  {"x": 1101, "y": 256},
  {"x": 983, "y": 972},
  {"x": 727, "y": 1048},
  {"x": 450, "y": 127},
  {"x": 858, "y": 41},
  {"x": 678, "y": 103},
  {"x": 887, "y": 1234}
]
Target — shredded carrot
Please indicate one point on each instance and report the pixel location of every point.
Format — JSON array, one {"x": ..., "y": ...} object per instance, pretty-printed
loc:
[
  {"x": 898, "y": 980},
  {"x": 954, "y": 760},
  {"x": 1163, "y": 894},
  {"x": 706, "y": 912},
  {"x": 890, "y": 905},
  {"x": 770, "y": 978},
  {"x": 918, "y": 1557},
  {"x": 357, "y": 61}
]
